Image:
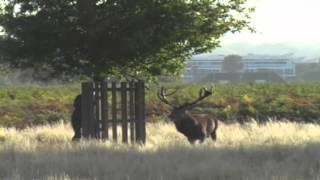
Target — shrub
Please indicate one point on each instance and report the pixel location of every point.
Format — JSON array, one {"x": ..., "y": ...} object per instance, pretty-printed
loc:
[{"x": 33, "y": 105}]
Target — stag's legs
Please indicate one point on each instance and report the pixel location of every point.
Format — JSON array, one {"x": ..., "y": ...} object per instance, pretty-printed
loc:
[
  {"x": 192, "y": 141},
  {"x": 213, "y": 135},
  {"x": 76, "y": 137}
]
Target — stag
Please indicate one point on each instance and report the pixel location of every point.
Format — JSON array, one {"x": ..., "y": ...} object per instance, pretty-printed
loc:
[{"x": 195, "y": 129}]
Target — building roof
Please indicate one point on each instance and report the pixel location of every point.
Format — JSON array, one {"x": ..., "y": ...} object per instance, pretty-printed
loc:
[
  {"x": 248, "y": 57},
  {"x": 243, "y": 77}
]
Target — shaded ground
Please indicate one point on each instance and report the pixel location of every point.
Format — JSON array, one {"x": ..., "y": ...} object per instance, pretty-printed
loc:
[{"x": 278, "y": 162}]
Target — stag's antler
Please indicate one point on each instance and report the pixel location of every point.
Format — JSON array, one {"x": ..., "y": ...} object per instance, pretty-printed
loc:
[
  {"x": 203, "y": 93},
  {"x": 162, "y": 95}
]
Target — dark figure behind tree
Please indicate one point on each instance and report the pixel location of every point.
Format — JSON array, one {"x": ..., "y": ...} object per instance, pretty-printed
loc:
[{"x": 76, "y": 118}]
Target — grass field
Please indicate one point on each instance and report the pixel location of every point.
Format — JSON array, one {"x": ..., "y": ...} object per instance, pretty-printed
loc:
[{"x": 276, "y": 150}]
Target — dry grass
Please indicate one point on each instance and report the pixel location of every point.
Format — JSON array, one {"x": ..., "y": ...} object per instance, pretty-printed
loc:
[{"x": 276, "y": 150}]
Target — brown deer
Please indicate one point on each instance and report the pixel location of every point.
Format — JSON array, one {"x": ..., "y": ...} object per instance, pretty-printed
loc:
[{"x": 193, "y": 128}]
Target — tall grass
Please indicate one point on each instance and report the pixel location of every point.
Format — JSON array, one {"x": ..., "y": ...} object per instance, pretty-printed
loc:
[{"x": 275, "y": 150}]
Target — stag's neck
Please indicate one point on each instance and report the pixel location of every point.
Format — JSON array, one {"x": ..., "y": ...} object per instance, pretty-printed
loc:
[{"x": 183, "y": 118}]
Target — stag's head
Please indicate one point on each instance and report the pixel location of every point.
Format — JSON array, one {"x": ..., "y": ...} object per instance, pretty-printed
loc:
[{"x": 180, "y": 111}]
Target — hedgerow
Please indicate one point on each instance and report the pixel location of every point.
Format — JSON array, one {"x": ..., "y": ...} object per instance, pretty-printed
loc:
[{"x": 34, "y": 105}]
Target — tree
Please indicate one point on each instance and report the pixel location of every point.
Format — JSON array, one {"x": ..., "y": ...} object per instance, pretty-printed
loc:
[
  {"x": 232, "y": 63},
  {"x": 96, "y": 38}
]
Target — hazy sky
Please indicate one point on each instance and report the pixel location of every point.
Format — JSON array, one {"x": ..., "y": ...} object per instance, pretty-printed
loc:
[{"x": 278, "y": 21}]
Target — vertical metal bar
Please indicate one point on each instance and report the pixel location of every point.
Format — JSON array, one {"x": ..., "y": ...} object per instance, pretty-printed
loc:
[
  {"x": 132, "y": 111},
  {"x": 86, "y": 109},
  {"x": 124, "y": 112},
  {"x": 114, "y": 111},
  {"x": 97, "y": 119},
  {"x": 142, "y": 109},
  {"x": 140, "y": 117},
  {"x": 104, "y": 110},
  {"x": 91, "y": 111}
]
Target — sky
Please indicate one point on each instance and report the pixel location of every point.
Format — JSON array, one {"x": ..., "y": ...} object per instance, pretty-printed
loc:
[
  {"x": 289, "y": 22},
  {"x": 282, "y": 21}
]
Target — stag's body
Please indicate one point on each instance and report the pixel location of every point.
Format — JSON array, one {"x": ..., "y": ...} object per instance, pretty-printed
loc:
[{"x": 194, "y": 128}]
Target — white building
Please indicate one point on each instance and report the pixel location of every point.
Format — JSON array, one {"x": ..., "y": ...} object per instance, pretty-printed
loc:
[{"x": 200, "y": 66}]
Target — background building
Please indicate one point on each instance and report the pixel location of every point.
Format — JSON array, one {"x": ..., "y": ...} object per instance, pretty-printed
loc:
[{"x": 200, "y": 67}]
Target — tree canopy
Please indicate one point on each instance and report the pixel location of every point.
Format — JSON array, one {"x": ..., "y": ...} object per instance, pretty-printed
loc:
[{"x": 96, "y": 38}]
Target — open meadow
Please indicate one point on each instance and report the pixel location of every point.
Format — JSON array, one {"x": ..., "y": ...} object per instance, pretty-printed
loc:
[
  {"x": 275, "y": 150},
  {"x": 80, "y": 68}
]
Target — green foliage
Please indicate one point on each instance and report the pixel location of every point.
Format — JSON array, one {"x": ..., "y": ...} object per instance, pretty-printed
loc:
[
  {"x": 296, "y": 102},
  {"x": 33, "y": 105},
  {"x": 119, "y": 37}
]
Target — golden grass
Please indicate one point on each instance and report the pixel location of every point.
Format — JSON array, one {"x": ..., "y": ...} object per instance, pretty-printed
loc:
[{"x": 276, "y": 150}]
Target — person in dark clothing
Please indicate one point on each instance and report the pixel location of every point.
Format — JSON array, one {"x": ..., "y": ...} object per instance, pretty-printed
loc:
[{"x": 76, "y": 118}]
